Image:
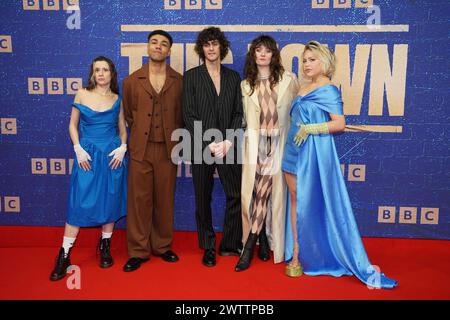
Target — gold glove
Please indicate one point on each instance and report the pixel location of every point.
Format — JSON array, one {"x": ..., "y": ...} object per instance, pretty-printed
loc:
[{"x": 307, "y": 129}]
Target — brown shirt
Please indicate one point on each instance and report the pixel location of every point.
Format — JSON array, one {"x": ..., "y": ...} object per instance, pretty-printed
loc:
[{"x": 156, "y": 127}]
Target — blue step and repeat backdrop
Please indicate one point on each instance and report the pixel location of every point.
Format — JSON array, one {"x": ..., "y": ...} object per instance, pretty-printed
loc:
[{"x": 393, "y": 70}]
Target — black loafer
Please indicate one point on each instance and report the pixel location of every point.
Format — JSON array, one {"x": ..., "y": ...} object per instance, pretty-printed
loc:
[
  {"x": 209, "y": 258},
  {"x": 134, "y": 264},
  {"x": 170, "y": 256},
  {"x": 229, "y": 252}
]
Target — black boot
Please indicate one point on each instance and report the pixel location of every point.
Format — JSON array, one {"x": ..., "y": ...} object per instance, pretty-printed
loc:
[
  {"x": 247, "y": 254},
  {"x": 104, "y": 245},
  {"x": 264, "y": 247},
  {"x": 61, "y": 265}
]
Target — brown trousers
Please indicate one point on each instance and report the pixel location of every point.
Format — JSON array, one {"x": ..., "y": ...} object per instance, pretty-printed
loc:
[{"x": 150, "y": 203}]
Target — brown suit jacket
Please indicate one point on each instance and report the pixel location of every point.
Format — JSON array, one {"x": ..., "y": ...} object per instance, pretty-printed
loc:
[{"x": 137, "y": 104}]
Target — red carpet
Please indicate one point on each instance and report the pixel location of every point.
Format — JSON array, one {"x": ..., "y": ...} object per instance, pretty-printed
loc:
[{"x": 422, "y": 268}]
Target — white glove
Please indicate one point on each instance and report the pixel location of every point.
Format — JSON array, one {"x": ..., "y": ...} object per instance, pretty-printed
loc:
[
  {"x": 119, "y": 152},
  {"x": 81, "y": 154}
]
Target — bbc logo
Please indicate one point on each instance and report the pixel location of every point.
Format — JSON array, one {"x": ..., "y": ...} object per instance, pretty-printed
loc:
[
  {"x": 408, "y": 215},
  {"x": 10, "y": 204},
  {"x": 193, "y": 4},
  {"x": 52, "y": 5},
  {"x": 52, "y": 166},
  {"x": 54, "y": 85},
  {"x": 356, "y": 172},
  {"x": 5, "y": 44},
  {"x": 8, "y": 126},
  {"x": 341, "y": 4}
]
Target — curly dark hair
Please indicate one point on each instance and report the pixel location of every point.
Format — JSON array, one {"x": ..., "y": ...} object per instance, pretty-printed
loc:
[
  {"x": 211, "y": 34},
  {"x": 251, "y": 69},
  {"x": 114, "y": 86}
]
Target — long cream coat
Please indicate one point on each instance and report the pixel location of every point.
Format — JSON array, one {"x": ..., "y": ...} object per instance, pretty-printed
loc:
[{"x": 276, "y": 215}]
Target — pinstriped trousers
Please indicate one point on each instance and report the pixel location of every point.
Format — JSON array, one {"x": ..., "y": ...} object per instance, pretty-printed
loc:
[{"x": 230, "y": 177}]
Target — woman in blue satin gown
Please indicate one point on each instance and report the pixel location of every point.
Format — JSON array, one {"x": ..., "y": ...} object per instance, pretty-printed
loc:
[
  {"x": 322, "y": 236},
  {"x": 98, "y": 184}
]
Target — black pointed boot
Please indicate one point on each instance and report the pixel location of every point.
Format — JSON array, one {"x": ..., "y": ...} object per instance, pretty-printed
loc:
[
  {"x": 61, "y": 265},
  {"x": 247, "y": 253},
  {"x": 104, "y": 246},
  {"x": 264, "y": 247}
]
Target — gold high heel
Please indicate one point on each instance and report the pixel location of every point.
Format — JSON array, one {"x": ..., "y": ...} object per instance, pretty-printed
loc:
[{"x": 294, "y": 270}]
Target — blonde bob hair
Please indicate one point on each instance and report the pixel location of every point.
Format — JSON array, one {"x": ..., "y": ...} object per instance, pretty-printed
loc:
[{"x": 325, "y": 55}]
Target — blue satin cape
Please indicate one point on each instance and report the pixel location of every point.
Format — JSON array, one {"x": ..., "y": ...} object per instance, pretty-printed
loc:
[{"x": 328, "y": 236}]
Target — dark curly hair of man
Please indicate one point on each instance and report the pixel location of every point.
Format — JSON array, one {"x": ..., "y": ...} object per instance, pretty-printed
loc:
[{"x": 211, "y": 34}]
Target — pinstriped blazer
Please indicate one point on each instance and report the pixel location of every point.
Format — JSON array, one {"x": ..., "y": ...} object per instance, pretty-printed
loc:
[{"x": 201, "y": 102}]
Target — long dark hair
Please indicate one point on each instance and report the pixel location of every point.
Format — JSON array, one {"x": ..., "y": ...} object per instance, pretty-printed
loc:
[
  {"x": 211, "y": 34},
  {"x": 114, "y": 86},
  {"x": 251, "y": 69}
]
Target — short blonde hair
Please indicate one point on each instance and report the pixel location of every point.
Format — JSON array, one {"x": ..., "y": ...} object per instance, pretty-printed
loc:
[{"x": 325, "y": 55}]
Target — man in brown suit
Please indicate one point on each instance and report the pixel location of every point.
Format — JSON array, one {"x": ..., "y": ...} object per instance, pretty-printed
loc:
[{"x": 152, "y": 107}]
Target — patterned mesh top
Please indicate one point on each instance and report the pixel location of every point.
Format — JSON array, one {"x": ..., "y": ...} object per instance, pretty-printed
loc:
[{"x": 268, "y": 102}]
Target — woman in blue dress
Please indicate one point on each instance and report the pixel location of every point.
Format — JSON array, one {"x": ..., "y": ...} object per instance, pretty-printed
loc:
[
  {"x": 98, "y": 184},
  {"x": 322, "y": 236}
]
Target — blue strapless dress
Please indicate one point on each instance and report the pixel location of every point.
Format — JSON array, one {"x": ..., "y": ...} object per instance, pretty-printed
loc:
[
  {"x": 98, "y": 196},
  {"x": 328, "y": 236}
]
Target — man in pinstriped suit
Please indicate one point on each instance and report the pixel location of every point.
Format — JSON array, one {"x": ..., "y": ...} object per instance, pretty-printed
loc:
[{"x": 212, "y": 99}]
